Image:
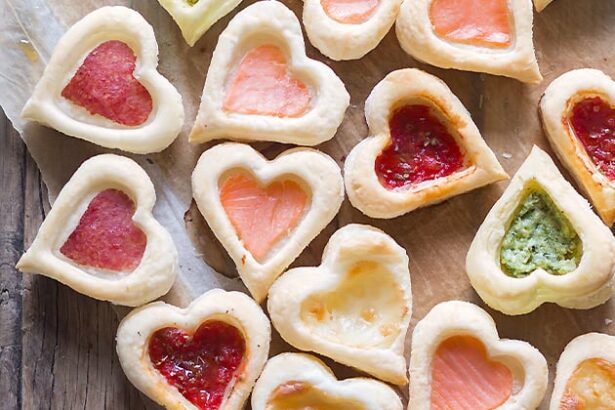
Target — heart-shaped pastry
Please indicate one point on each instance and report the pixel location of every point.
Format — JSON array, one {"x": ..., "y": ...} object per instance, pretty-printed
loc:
[
  {"x": 585, "y": 376},
  {"x": 101, "y": 85},
  {"x": 266, "y": 212},
  {"x": 541, "y": 4},
  {"x": 354, "y": 308},
  {"x": 206, "y": 356},
  {"x": 101, "y": 239},
  {"x": 348, "y": 29},
  {"x": 541, "y": 242},
  {"x": 261, "y": 86},
  {"x": 463, "y": 364},
  {"x": 422, "y": 148},
  {"x": 489, "y": 36},
  {"x": 578, "y": 115},
  {"x": 293, "y": 381},
  {"x": 195, "y": 17}
]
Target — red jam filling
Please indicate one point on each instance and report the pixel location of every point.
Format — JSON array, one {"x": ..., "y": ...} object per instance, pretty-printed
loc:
[
  {"x": 421, "y": 149},
  {"x": 105, "y": 85},
  {"x": 593, "y": 122},
  {"x": 200, "y": 366},
  {"x": 106, "y": 237}
]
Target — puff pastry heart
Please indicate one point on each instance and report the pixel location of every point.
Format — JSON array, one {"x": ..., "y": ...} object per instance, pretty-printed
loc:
[
  {"x": 206, "y": 356},
  {"x": 464, "y": 361},
  {"x": 585, "y": 376},
  {"x": 347, "y": 30},
  {"x": 577, "y": 111},
  {"x": 301, "y": 381},
  {"x": 100, "y": 237},
  {"x": 262, "y": 87},
  {"x": 265, "y": 212},
  {"x": 488, "y": 36},
  {"x": 354, "y": 308},
  {"x": 195, "y": 17},
  {"x": 541, "y": 4},
  {"x": 572, "y": 264},
  {"x": 423, "y": 148},
  {"x": 101, "y": 85}
]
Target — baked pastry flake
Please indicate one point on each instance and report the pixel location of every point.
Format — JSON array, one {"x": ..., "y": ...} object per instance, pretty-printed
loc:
[{"x": 541, "y": 4}]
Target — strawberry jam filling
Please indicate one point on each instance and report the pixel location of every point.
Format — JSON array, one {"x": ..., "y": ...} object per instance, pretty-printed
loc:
[
  {"x": 421, "y": 149},
  {"x": 106, "y": 237},
  {"x": 105, "y": 85},
  {"x": 593, "y": 122},
  {"x": 201, "y": 366}
]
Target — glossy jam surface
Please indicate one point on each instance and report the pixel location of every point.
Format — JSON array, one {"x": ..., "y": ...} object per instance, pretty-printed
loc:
[
  {"x": 262, "y": 215},
  {"x": 263, "y": 85},
  {"x": 349, "y": 11},
  {"x": 421, "y": 149},
  {"x": 484, "y": 23},
  {"x": 296, "y": 395},
  {"x": 591, "y": 387},
  {"x": 465, "y": 378},
  {"x": 105, "y": 85},
  {"x": 539, "y": 236},
  {"x": 106, "y": 238},
  {"x": 593, "y": 122},
  {"x": 201, "y": 366}
]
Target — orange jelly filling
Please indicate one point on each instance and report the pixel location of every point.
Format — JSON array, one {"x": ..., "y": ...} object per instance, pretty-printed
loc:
[
  {"x": 303, "y": 396},
  {"x": 591, "y": 386},
  {"x": 349, "y": 11}
]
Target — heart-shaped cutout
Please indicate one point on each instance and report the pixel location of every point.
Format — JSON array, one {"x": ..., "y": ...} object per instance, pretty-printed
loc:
[
  {"x": 100, "y": 237},
  {"x": 262, "y": 215},
  {"x": 292, "y": 381},
  {"x": 265, "y": 212},
  {"x": 355, "y": 307},
  {"x": 349, "y": 11},
  {"x": 422, "y": 148},
  {"x": 101, "y": 85},
  {"x": 463, "y": 364},
  {"x": 206, "y": 356},
  {"x": 261, "y": 86}
]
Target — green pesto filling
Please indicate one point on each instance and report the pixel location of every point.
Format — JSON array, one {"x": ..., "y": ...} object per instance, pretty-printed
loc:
[{"x": 540, "y": 236}]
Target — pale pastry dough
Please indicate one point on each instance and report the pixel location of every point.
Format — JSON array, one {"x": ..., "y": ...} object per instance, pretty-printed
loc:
[
  {"x": 588, "y": 346},
  {"x": 316, "y": 172},
  {"x": 156, "y": 272},
  {"x": 348, "y": 41},
  {"x": 195, "y": 19},
  {"x": 306, "y": 382},
  {"x": 555, "y": 106},
  {"x": 47, "y": 106},
  {"x": 541, "y": 4},
  {"x": 269, "y": 23},
  {"x": 354, "y": 308},
  {"x": 412, "y": 86},
  {"x": 528, "y": 367},
  {"x": 418, "y": 38},
  {"x": 589, "y": 285},
  {"x": 233, "y": 308}
]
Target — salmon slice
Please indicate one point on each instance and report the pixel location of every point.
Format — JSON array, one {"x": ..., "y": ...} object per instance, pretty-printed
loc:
[
  {"x": 263, "y": 85},
  {"x": 261, "y": 215},
  {"x": 464, "y": 378},
  {"x": 476, "y": 22},
  {"x": 349, "y": 11}
]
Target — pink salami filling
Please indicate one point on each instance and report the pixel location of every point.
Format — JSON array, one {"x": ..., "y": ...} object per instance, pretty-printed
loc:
[
  {"x": 106, "y": 238},
  {"x": 105, "y": 85}
]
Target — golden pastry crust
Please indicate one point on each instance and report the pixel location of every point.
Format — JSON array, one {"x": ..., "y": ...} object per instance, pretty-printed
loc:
[
  {"x": 234, "y": 308},
  {"x": 306, "y": 370},
  {"x": 417, "y": 37},
  {"x": 269, "y": 22},
  {"x": 406, "y": 86},
  {"x": 156, "y": 272},
  {"x": 555, "y": 107},
  {"x": 354, "y": 308},
  {"x": 589, "y": 285},
  {"x": 47, "y": 106},
  {"x": 530, "y": 375}
]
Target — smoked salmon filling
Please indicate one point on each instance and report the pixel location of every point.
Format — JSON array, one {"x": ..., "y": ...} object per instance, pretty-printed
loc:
[
  {"x": 484, "y": 23},
  {"x": 296, "y": 395},
  {"x": 350, "y": 11},
  {"x": 591, "y": 386}
]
